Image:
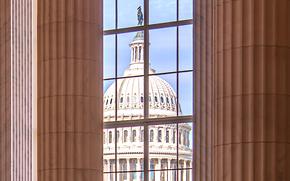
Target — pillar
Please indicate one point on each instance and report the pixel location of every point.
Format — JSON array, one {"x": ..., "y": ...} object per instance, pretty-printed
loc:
[
  {"x": 138, "y": 168},
  {"x": 157, "y": 167},
  {"x": 128, "y": 168},
  {"x": 17, "y": 80},
  {"x": 252, "y": 88},
  {"x": 69, "y": 90},
  {"x": 203, "y": 109}
]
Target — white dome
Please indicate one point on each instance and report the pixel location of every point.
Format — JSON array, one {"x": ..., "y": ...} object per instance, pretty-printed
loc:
[
  {"x": 130, "y": 91},
  {"x": 130, "y": 96}
]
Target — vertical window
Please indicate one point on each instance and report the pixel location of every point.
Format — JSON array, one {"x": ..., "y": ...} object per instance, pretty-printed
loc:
[
  {"x": 148, "y": 70},
  {"x": 151, "y": 135},
  {"x": 125, "y": 136},
  {"x": 134, "y": 136},
  {"x": 167, "y": 136},
  {"x": 159, "y": 135}
]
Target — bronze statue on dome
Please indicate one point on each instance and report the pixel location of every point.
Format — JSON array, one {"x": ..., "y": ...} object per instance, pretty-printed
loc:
[{"x": 140, "y": 15}]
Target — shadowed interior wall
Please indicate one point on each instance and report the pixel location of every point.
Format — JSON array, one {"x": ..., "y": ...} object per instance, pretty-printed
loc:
[
  {"x": 15, "y": 90},
  {"x": 252, "y": 90},
  {"x": 70, "y": 90}
]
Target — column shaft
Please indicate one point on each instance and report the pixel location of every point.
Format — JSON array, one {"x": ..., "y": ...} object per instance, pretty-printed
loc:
[
  {"x": 252, "y": 88},
  {"x": 70, "y": 90}
]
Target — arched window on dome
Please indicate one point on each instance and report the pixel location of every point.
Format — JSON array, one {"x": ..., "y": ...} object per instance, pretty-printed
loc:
[
  {"x": 110, "y": 136},
  {"x": 128, "y": 99},
  {"x": 142, "y": 99},
  {"x": 118, "y": 135},
  {"x": 173, "y": 136},
  {"x": 185, "y": 138},
  {"x": 179, "y": 137},
  {"x": 161, "y": 99},
  {"x": 121, "y": 100},
  {"x": 139, "y": 52},
  {"x": 151, "y": 135},
  {"x": 172, "y": 102},
  {"x": 156, "y": 99},
  {"x": 159, "y": 135},
  {"x": 142, "y": 135},
  {"x": 111, "y": 101},
  {"x": 134, "y": 135},
  {"x": 167, "y": 100},
  {"x": 167, "y": 136},
  {"x": 107, "y": 101},
  {"x": 125, "y": 136}
]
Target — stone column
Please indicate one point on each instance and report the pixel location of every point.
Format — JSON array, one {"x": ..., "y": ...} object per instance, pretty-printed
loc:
[
  {"x": 252, "y": 88},
  {"x": 70, "y": 90},
  {"x": 203, "y": 109},
  {"x": 138, "y": 168},
  {"x": 17, "y": 93},
  {"x": 157, "y": 167},
  {"x": 128, "y": 169}
]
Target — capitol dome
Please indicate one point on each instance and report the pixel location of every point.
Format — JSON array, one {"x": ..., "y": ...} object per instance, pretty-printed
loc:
[
  {"x": 130, "y": 91},
  {"x": 130, "y": 140}
]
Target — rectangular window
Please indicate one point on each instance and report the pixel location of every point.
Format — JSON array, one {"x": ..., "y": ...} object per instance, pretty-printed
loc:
[{"x": 148, "y": 90}]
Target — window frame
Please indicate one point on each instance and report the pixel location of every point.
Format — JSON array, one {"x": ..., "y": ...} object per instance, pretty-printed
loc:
[{"x": 146, "y": 121}]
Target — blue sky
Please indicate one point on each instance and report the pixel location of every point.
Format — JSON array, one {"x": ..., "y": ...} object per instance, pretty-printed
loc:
[{"x": 162, "y": 42}]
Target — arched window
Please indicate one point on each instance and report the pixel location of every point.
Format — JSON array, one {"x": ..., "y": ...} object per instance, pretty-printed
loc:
[
  {"x": 167, "y": 136},
  {"x": 151, "y": 135},
  {"x": 173, "y": 136},
  {"x": 134, "y": 136},
  {"x": 121, "y": 100},
  {"x": 107, "y": 101},
  {"x": 179, "y": 138},
  {"x": 128, "y": 99},
  {"x": 125, "y": 136},
  {"x": 162, "y": 100},
  {"x": 110, "y": 136},
  {"x": 142, "y": 135},
  {"x": 172, "y": 101},
  {"x": 167, "y": 100},
  {"x": 156, "y": 99},
  {"x": 111, "y": 101},
  {"x": 142, "y": 99},
  {"x": 139, "y": 52},
  {"x": 118, "y": 135},
  {"x": 159, "y": 135}
]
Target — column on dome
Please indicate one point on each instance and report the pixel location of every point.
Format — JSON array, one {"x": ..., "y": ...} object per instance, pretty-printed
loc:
[
  {"x": 157, "y": 167},
  {"x": 128, "y": 168},
  {"x": 138, "y": 168}
]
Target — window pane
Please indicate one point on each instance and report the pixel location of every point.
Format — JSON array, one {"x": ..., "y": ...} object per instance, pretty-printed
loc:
[
  {"x": 185, "y": 9},
  {"x": 129, "y": 100},
  {"x": 109, "y": 56},
  {"x": 109, "y": 100},
  {"x": 130, "y": 54},
  {"x": 109, "y": 150},
  {"x": 130, "y": 153},
  {"x": 109, "y": 14},
  {"x": 131, "y": 176},
  {"x": 162, "y": 11},
  {"x": 186, "y": 93},
  {"x": 163, "y": 50},
  {"x": 162, "y": 95},
  {"x": 127, "y": 12},
  {"x": 185, "y": 48},
  {"x": 166, "y": 175},
  {"x": 185, "y": 145},
  {"x": 109, "y": 176}
]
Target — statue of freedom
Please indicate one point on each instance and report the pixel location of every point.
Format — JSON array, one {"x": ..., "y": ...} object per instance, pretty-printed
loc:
[{"x": 140, "y": 15}]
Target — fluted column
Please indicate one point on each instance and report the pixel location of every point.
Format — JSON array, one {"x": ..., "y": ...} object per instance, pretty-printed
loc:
[
  {"x": 16, "y": 90},
  {"x": 252, "y": 90},
  {"x": 70, "y": 90},
  {"x": 203, "y": 105}
]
